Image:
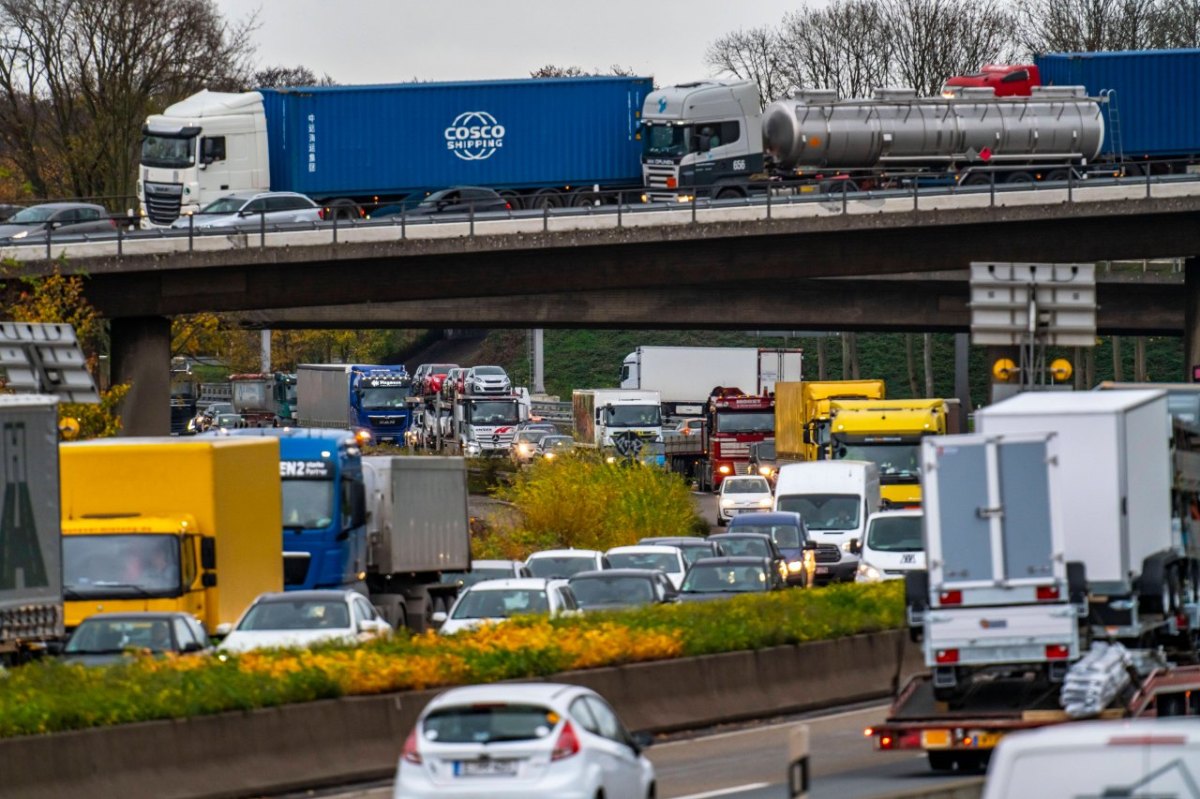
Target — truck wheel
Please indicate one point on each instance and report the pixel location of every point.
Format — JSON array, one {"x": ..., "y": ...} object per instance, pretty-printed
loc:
[
  {"x": 1019, "y": 178},
  {"x": 729, "y": 193},
  {"x": 513, "y": 199},
  {"x": 343, "y": 210},
  {"x": 976, "y": 179},
  {"x": 582, "y": 198},
  {"x": 545, "y": 198},
  {"x": 418, "y": 606}
]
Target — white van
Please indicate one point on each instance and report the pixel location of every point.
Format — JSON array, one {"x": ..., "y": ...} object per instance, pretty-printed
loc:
[
  {"x": 835, "y": 498},
  {"x": 1138, "y": 758},
  {"x": 894, "y": 545}
]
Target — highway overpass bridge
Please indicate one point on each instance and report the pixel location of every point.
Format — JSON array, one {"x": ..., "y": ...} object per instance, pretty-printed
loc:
[{"x": 738, "y": 265}]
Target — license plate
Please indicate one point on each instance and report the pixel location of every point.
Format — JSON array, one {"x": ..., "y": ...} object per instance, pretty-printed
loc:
[
  {"x": 822, "y": 570},
  {"x": 986, "y": 740},
  {"x": 485, "y": 768},
  {"x": 935, "y": 739}
]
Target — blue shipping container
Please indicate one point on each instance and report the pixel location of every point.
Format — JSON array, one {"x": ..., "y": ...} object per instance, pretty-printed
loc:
[
  {"x": 358, "y": 141},
  {"x": 1157, "y": 96}
]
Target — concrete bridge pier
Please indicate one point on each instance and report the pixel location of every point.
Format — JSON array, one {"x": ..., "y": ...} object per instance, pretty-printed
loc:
[
  {"x": 141, "y": 356},
  {"x": 1191, "y": 318}
]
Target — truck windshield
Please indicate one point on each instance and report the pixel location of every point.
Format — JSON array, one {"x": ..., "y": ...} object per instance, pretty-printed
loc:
[
  {"x": 667, "y": 140},
  {"x": 896, "y": 534},
  {"x": 172, "y": 152},
  {"x": 633, "y": 416},
  {"x": 897, "y": 462},
  {"x": 742, "y": 422},
  {"x": 249, "y": 394},
  {"x": 307, "y": 504},
  {"x": 492, "y": 412},
  {"x": 121, "y": 566},
  {"x": 824, "y": 511},
  {"x": 384, "y": 398}
]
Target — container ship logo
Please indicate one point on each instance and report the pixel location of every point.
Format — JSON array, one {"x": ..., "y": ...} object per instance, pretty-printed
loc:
[{"x": 474, "y": 136}]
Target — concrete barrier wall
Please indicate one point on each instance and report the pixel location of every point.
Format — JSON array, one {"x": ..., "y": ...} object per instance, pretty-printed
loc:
[{"x": 359, "y": 738}]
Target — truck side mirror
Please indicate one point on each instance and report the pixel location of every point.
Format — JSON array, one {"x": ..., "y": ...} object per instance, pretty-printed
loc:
[
  {"x": 209, "y": 579},
  {"x": 208, "y": 553},
  {"x": 808, "y": 437},
  {"x": 855, "y": 546}
]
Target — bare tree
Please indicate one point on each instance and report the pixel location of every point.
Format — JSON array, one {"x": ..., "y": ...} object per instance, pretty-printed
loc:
[
  {"x": 555, "y": 71},
  {"x": 289, "y": 76},
  {"x": 752, "y": 54},
  {"x": 935, "y": 39},
  {"x": 79, "y": 77},
  {"x": 844, "y": 46},
  {"x": 1092, "y": 25}
]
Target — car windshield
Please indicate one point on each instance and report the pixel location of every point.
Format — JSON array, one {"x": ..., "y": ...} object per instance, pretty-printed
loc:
[
  {"x": 171, "y": 152},
  {"x": 632, "y": 415},
  {"x": 121, "y": 565},
  {"x": 501, "y": 603},
  {"x": 557, "y": 442},
  {"x": 724, "y": 578},
  {"x": 489, "y": 722},
  {"x": 895, "y": 534},
  {"x": 30, "y": 216},
  {"x": 492, "y": 412},
  {"x": 751, "y": 546},
  {"x": 743, "y": 422},
  {"x": 663, "y": 561},
  {"x": 99, "y": 635},
  {"x": 297, "y": 614},
  {"x": 599, "y": 590},
  {"x": 225, "y": 205},
  {"x": 384, "y": 398},
  {"x": 694, "y": 552},
  {"x": 560, "y": 566},
  {"x": 441, "y": 368},
  {"x": 825, "y": 511},
  {"x": 307, "y": 503},
  {"x": 228, "y": 419},
  {"x": 785, "y": 536},
  {"x": 530, "y": 436},
  {"x": 753, "y": 485},
  {"x": 666, "y": 140},
  {"x": 489, "y": 370},
  {"x": 894, "y": 460}
]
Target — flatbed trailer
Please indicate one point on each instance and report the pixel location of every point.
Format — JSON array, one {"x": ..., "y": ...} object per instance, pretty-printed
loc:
[{"x": 963, "y": 737}]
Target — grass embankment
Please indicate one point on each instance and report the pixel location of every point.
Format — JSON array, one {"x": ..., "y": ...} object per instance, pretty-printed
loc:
[{"x": 51, "y": 697}]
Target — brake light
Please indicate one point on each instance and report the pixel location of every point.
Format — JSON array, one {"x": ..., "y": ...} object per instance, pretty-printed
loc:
[
  {"x": 410, "y": 753},
  {"x": 567, "y": 743},
  {"x": 948, "y": 655},
  {"x": 508, "y": 206},
  {"x": 1047, "y": 592},
  {"x": 321, "y": 213},
  {"x": 1057, "y": 652},
  {"x": 885, "y": 742},
  {"x": 950, "y": 597}
]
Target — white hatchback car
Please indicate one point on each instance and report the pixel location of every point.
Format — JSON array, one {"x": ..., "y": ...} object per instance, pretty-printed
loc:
[
  {"x": 304, "y": 618},
  {"x": 892, "y": 546},
  {"x": 498, "y": 600},
  {"x": 664, "y": 558},
  {"x": 743, "y": 494},
  {"x": 531, "y": 740}
]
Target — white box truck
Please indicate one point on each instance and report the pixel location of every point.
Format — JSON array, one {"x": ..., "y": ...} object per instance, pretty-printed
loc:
[
  {"x": 1115, "y": 479},
  {"x": 835, "y": 498},
  {"x": 686, "y": 376},
  {"x": 623, "y": 423}
]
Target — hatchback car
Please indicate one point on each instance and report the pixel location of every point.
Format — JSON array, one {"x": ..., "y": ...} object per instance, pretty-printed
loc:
[
  {"x": 452, "y": 385},
  {"x": 487, "y": 380},
  {"x": 522, "y": 741},
  {"x": 559, "y": 564},
  {"x": 692, "y": 547},
  {"x": 788, "y": 531},
  {"x": 613, "y": 589},
  {"x": 716, "y": 578},
  {"x": 436, "y": 376},
  {"x": 553, "y": 446},
  {"x": 525, "y": 445},
  {"x": 666, "y": 559},
  {"x": 55, "y": 219},
  {"x": 499, "y": 600},
  {"x": 304, "y": 618},
  {"x": 743, "y": 494},
  {"x": 482, "y": 570},
  {"x": 111, "y": 637},
  {"x": 460, "y": 200},
  {"x": 250, "y": 209}
]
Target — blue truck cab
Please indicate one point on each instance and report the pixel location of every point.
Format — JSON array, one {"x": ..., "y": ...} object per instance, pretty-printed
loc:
[
  {"x": 324, "y": 507},
  {"x": 378, "y": 400}
]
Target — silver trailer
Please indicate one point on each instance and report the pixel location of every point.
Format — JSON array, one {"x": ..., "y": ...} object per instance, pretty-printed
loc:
[
  {"x": 31, "y": 598},
  {"x": 417, "y": 528},
  {"x": 323, "y": 395}
]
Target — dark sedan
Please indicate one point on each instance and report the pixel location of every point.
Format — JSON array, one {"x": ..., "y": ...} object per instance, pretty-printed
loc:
[
  {"x": 55, "y": 219},
  {"x": 458, "y": 200},
  {"x": 721, "y": 578},
  {"x": 613, "y": 589},
  {"x": 112, "y": 637},
  {"x": 754, "y": 545},
  {"x": 790, "y": 534},
  {"x": 693, "y": 547}
]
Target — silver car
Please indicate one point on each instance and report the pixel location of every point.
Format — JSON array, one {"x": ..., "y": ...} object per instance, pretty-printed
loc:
[
  {"x": 487, "y": 380},
  {"x": 55, "y": 219},
  {"x": 250, "y": 209}
]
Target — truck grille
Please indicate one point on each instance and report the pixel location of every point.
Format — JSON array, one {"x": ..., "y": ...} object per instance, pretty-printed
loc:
[
  {"x": 731, "y": 449},
  {"x": 383, "y": 421},
  {"x": 163, "y": 201},
  {"x": 295, "y": 568},
  {"x": 656, "y": 176},
  {"x": 828, "y": 553}
]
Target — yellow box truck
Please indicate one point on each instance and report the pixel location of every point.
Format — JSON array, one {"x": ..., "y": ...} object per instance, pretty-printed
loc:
[
  {"x": 802, "y": 414},
  {"x": 888, "y": 433},
  {"x": 170, "y": 524}
]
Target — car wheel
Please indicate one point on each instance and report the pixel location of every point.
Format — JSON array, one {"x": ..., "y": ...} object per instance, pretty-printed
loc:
[{"x": 721, "y": 522}]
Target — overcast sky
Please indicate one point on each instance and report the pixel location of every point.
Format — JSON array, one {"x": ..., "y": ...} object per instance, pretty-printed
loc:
[{"x": 388, "y": 41}]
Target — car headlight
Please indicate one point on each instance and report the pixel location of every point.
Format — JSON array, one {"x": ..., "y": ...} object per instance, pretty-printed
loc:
[
  {"x": 795, "y": 566},
  {"x": 765, "y": 503},
  {"x": 473, "y": 448},
  {"x": 868, "y": 573},
  {"x": 765, "y": 471},
  {"x": 846, "y": 547},
  {"x": 523, "y": 449},
  {"x": 20, "y": 234},
  {"x": 727, "y": 503}
]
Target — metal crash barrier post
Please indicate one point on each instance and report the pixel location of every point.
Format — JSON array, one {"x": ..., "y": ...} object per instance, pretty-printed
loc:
[{"x": 798, "y": 769}]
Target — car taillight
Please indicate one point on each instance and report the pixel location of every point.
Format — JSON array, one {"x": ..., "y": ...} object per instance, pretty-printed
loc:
[
  {"x": 508, "y": 206},
  {"x": 410, "y": 753},
  {"x": 1047, "y": 592},
  {"x": 567, "y": 743},
  {"x": 947, "y": 656},
  {"x": 950, "y": 597},
  {"x": 321, "y": 213},
  {"x": 1057, "y": 652}
]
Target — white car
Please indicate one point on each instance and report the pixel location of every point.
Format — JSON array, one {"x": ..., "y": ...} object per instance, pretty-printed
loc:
[
  {"x": 494, "y": 601},
  {"x": 560, "y": 564},
  {"x": 304, "y": 618},
  {"x": 487, "y": 380},
  {"x": 743, "y": 494},
  {"x": 523, "y": 741},
  {"x": 666, "y": 559},
  {"x": 250, "y": 209},
  {"x": 892, "y": 546}
]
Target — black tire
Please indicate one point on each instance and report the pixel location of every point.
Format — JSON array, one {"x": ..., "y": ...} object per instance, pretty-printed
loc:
[
  {"x": 545, "y": 198},
  {"x": 343, "y": 210},
  {"x": 1057, "y": 176},
  {"x": 583, "y": 198},
  {"x": 1019, "y": 178},
  {"x": 729, "y": 193},
  {"x": 941, "y": 761},
  {"x": 976, "y": 179},
  {"x": 513, "y": 199}
]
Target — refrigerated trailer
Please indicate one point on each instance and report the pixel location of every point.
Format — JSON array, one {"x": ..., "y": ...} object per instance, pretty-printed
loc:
[{"x": 685, "y": 377}]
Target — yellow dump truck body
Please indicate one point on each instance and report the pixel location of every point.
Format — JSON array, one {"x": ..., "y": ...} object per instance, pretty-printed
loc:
[
  {"x": 806, "y": 406},
  {"x": 170, "y": 524},
  {"x": 888, "y": 432}
]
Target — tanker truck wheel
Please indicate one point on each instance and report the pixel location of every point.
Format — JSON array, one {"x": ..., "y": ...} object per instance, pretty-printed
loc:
[
  {"x": 1019, "y": 178},
  {"x": 976, "y": 179}
]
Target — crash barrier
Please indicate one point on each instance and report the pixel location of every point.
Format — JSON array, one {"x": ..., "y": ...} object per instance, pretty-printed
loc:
[{"x": 359, "y": 738}]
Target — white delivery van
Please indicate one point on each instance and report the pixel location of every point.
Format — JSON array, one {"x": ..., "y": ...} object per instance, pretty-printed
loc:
[
  {"x": 893, "y": 546},
  {"x": 835, "y": 498},
  {"x": 1136, "y": 758}
]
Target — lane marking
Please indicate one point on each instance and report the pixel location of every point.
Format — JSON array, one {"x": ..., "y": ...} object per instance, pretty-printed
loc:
[
  {"x": 750, "y": 786},
  {"x": 767, "y": 727}
]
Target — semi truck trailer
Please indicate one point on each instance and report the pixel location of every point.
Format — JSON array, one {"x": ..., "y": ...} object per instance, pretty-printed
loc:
[
  {"x": 354, "y": 397},
  {"x": 685, "y": 377},
  {"x": 623, "y": 423}
]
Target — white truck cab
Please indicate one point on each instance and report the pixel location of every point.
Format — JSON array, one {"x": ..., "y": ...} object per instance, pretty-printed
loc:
[
  {"x": 200, "y": 149},
  {"x": 835, "y": 498},
  {"x": 699, "y": 136}
]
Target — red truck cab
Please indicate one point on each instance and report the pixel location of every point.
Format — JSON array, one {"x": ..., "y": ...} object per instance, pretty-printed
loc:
[
  {"x": 734, "y": 421},
  {"x": 1007, "y": 80}
]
